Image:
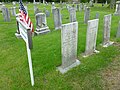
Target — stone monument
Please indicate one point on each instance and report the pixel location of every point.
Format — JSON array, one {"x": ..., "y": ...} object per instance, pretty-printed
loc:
[
  {"x": 86, "y": 14},
  {"x": 117, "y": 11},
  {"x": 69, "y": 36},
  {"x": 72, "y": 13},
  {"x": 118, "y": 31},
  {"x": 41, "y": 24},
  {"x": 91, "y": 37}
]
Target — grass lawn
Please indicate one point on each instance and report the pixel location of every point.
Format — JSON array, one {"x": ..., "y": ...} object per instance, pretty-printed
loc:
[{"x": 91, "y": 74}]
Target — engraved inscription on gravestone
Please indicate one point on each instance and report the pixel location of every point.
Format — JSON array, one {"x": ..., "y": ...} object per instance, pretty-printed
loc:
[
  {"x": 69, "y": 37},
  {"x": 106, "y": 32},
  {"x": 91, "y": 37}
]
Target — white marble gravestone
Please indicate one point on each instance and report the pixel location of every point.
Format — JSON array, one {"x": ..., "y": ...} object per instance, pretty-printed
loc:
[
  {"x": 41, "y": 24},
  {"x": 117, "y": 11},
  {"x": 118, "y": 31},
  {"x": 91, "y": 37},
  {"x": 72, "y": 13},
  {"x": 69, "y": 37},
  {"x": 53, "y": 6},
  {"x": 106, "y": 32},
  {"x": 57, "y": 18},
  {"x": 86, "y": 14}
]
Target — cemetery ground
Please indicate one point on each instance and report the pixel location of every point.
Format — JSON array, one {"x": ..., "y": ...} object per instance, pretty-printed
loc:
[{"x": 96, "y": 72}]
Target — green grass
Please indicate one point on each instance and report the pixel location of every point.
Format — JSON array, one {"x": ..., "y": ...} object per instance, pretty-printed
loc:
[{"x": 46, "y": 55}]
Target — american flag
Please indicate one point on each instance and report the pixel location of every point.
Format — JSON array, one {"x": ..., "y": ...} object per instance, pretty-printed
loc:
[{"x": 24, "y": 16}]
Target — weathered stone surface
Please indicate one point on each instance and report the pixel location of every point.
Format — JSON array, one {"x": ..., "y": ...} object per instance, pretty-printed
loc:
[
  {"x": 57, "y": 18},
  {"x": 69, "y": 36},
  {"x": 86, "y": 14},
  {"x": 118, "y": 31},
  {"x": 91, "y": 37},
  {"x": 47, "y": 13},
  {"x": 72, "y": 12},
  {"x": 106, "y": 32},
  {"x": 41, "y": 24}
]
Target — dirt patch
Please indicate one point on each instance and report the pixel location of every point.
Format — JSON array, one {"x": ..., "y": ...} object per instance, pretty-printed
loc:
[{"x": 111, "y": 75}]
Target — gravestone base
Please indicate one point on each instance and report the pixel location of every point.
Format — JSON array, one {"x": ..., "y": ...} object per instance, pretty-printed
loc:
[
  {"x": 86, "y": 55},
  {"x": 64, "y": 70},
  {"x": 42, "y": 30},
  {"x": 108, "y": 44},
  {"x": 57, "y": 28},
  {"x": 117, "y": 14},
  {"x": 18, "y": 35}
]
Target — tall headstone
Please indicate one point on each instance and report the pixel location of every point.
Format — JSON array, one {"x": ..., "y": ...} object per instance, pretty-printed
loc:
[
  {"x": 86, "y": 14},
  {"x": 41, "y": 24},
  {"x": 6, "y": 14},
  {"x": 91, "y": 37},
  {"x": 57, "y": 18},
  {"x": 13, "y": 9},
  {"x": 0, "y": 6},
  {"x": 72, "y": 13},
  {"x": 118, "y": 31},
  {"x": 53, "y": 6},
  {"x": 69, "y": 36},
  {"x": 117, "y": 11},
  {"x": 106, "y": 32}
]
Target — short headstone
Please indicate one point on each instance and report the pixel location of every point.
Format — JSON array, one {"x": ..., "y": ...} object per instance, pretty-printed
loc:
[
  {"x": 106, "y": 32},
  {"x": 97, "y": 16},
  {"x": 117, "y": 11},
  {"x": 6, "y": 14},
  {"x": 69, "y": 36},
  {"x": 57, "y": 18},
  {"x": 72, "y": 13},
  {"x": 47, "y": 13},
  {"x": 91, "y": 37},
  {"x": 118, "y": 31},
  {"x": 86, "y": 14},
  {"x": 41, "y": 24}
]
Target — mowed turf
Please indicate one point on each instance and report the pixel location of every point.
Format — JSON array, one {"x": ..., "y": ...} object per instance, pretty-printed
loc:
[{"x": 46, "y": 55}]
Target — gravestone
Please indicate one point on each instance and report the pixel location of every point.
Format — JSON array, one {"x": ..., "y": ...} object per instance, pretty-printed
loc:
[
  {"x": 72, "y": 13},
  {"x": 0, "y": 6},
  {"x": 53, "y": 6},
  {"x": 26, "y": 9},
  {"x": 6, "y": 14},
  {"x": 91, "y": 37},
  {"x": 13, "y": 11},
  {"x": 35, "y": 7},
  {"x": 41, "y": 24},
  {"x": 14, "y": 4},
  {"x": 47, "y": 13},
  {"x": 118, "y": 31},
  {"x": 106, "y": 32},
  {"x": 78, "y": 7},
  {"x": 86, "y": 14},
  {"x": 117, "y": 11},
  {"x": 37, "y": 11},
  {"x": 57, "y": 18},
  {"x": 91, "y": 3},
  {"x": 81, "y": 6},
  {"x": 84, "y": 8},
  {"x": 97, "y": 16},
  {"x": 69, "y": 36}
]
